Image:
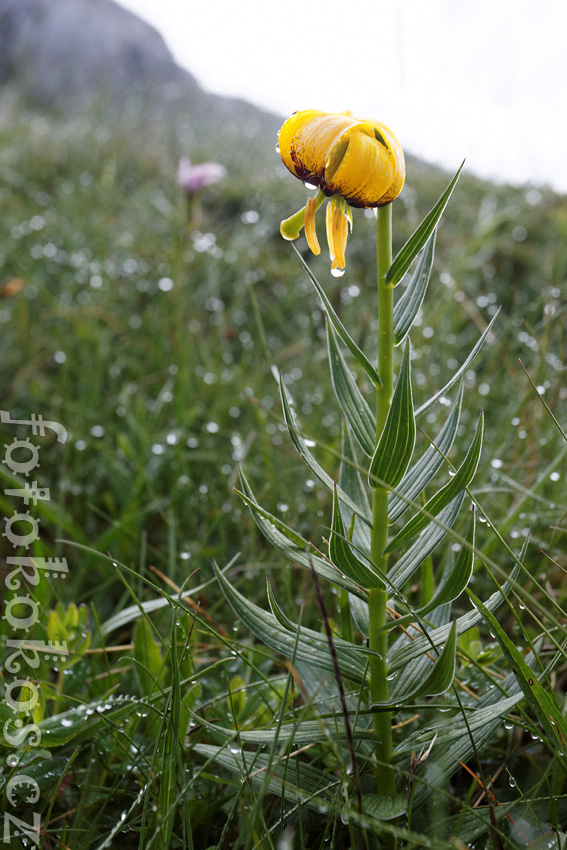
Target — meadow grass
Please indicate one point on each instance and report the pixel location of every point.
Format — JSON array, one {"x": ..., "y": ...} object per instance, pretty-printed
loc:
[{"x": 151, "y": 337}]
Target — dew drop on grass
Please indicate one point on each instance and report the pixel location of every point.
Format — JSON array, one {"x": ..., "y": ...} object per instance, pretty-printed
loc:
[{"x": 66, "y": 721}]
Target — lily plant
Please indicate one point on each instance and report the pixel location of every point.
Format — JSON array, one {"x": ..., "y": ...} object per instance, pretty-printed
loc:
[{"x": 393, "y": 658}]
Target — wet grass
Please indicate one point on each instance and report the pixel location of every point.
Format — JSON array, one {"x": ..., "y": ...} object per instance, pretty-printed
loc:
[{"x": 148, "y": 327}]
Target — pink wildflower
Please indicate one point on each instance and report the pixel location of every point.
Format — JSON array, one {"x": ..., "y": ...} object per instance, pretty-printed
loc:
[{"x": 193, "y": 178}]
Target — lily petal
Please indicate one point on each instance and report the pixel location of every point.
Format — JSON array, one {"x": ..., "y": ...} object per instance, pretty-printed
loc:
[{"x": 360, "y": 160}]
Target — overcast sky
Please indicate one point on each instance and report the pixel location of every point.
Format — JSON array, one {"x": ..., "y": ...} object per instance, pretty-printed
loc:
[{"x": 481, "y": 79}]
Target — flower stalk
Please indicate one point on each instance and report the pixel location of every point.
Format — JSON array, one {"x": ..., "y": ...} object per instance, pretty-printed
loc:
[{"x": 378, "y": 596}]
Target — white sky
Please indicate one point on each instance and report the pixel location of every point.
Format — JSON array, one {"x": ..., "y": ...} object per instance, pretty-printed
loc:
[{"x": 481, "y": 79}]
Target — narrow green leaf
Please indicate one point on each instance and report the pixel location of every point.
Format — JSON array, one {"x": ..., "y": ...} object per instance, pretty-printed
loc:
[
  {"x": 419, "y": 238},
  {"x": 436, "y": 682},
  {"x": 545, "y": 404},
  {"x": 350, "y": 480},
  {"x": 85, "y": 722},
  {"x": 399, "y": 657},
  {"x": 311, "y": 647},
  {"x": 395, "y": 446},
  {"x": 407, "y": 306},
  {"x": 453, "y": 582},
  {"x": 310, "y": 461},
  {"x": 304, "y": 732},
  {"x": 134, "y": 612},
  {"x": 425, "y": 544},
  {"x": 344, "y": 558},
  {"x": 384, "y": 808},
  {"x": 149, "y": 668},
  {"x": 454, "y": 739},
  {"x": 422, "y": 472},
  {"x": 453, "y": 380},
  {"x": 541, "y": 701},
  {"x": 441, "y": 677},
  {"x": 473, "y": 825},
  {"x": 168, "y": 779},
  {"x": 342, "y": 332},
  {"x": 461, "y": 479},
  {"x": 289, "y": 779},
  {"x": 291, "y": 544},
  {"x": 353, "y": 404}
]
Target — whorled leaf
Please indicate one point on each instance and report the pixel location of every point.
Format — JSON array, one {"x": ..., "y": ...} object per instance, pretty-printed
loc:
[
  {"x": 458, "y": 738},
  {"x": 405, "y": 567},
  {"x": 422, "y": 472},
  {"x": 420, "y": 237},
  {"x": 398, "y": 658},
  {"x": 461, "y": 479},
  {"x": 310, "y": 461},
  {"x": 396, "y": 444},
  {"x": 311, "y": 646},
  {"x": 351, "y": 400},
  {"x": 290, "y": 543},
  {"x": 453, "y": 581},
  {"x": 343, "y": 556},
  {"x": 350, "y": 482},
  {"x": 342, "y": 332},
  {"x": 438, "y": 680},
  {"x": 407, "y": 306},
  {"x": 289, "y": 778}
]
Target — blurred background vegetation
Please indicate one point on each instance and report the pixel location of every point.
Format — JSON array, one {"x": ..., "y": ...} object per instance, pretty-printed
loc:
[{"x": 152, "y": 338}]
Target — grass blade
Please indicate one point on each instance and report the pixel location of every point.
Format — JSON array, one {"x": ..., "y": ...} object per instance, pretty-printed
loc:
[{"x": 434, "y": 398}]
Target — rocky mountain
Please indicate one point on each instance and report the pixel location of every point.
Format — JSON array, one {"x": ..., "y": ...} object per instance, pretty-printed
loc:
[{"x": 67, "y": 55}]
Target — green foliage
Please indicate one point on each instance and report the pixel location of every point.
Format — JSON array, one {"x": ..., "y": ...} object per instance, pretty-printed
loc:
[{"x": 151, "y": 337}]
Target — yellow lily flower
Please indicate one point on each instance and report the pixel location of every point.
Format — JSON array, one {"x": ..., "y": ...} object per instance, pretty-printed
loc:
[{"x": 357, "y": 162}]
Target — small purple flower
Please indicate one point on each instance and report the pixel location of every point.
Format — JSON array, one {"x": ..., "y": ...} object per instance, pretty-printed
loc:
[{"x": 193, "y": 178}]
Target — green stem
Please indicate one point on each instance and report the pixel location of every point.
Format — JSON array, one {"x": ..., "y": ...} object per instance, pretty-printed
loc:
[{"x": 378, "y": 597}]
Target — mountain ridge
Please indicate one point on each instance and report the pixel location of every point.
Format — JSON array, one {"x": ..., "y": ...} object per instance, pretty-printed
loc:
[{"x": 66, "y": 56}]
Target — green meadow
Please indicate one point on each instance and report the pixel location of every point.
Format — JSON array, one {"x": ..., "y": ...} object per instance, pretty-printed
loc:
[{"x": 155, "y": 329}]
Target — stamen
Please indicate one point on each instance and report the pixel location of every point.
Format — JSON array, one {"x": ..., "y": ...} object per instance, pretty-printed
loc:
[
  {"x": 340, "y": 232},
  {"x": 310, "y": 229},
  {"x": 329, "y": 225}
]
